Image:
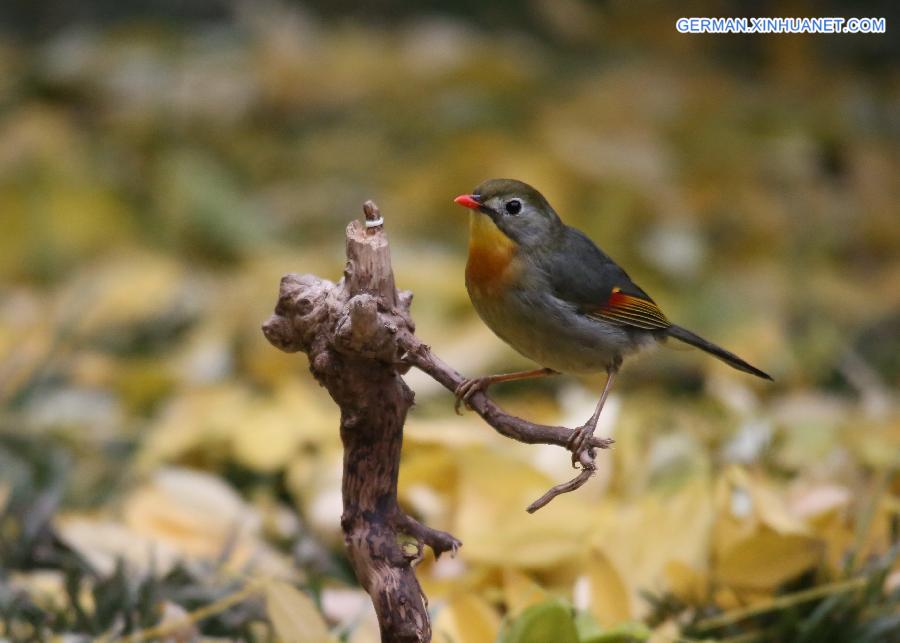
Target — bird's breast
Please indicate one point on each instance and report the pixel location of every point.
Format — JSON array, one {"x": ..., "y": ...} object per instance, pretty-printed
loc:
[{"x": 493, "y": 265}]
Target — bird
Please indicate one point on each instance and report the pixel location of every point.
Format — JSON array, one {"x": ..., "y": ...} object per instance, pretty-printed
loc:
[{"x": 548, "y": 291}]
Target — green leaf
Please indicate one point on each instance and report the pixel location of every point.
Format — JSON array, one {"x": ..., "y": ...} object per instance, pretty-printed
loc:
[
  {"x": 548, "y": 621},
  {"x": 587, "y": 626},
  {"x": 628, "y": 632}
]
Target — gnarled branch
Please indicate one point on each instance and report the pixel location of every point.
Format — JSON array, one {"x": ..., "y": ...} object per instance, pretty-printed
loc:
[{"x": 360, "y": 339}]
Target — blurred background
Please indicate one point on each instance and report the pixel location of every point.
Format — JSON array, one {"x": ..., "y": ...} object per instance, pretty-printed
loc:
[{"x": 163, "y": 163}]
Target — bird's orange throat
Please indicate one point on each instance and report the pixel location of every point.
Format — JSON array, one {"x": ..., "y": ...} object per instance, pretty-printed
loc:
[{"x": 492, "y": 264}]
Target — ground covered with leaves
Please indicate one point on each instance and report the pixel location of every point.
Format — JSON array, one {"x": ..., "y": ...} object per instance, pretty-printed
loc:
[{"x": 164, "y": 472}]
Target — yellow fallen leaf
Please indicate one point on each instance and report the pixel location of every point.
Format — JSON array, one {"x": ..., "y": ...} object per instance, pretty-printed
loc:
[
  {"x": 841, "y": 535},
  {"x": 609, "y": 602},
  {"x": 141, "y": 382},
  {"x": 202, "y": 420},
  {"x": 519, "y": 591},
  {"x": 433, "y": 467},
  {"x": 293, "y": 615},
  {"x": 103, "y": 542},
  {"x": 766, "y": 559},
  {"x": 838, "y": 536},
  {"x": 193, "y": 510},
  {"x": 268, "y": 441},
  {"x": 735, "y": 515},
  {"x": 641, "y": 535},
  {"x": 815, "y": 501},
  {"x": 452, "y": 432},
  {"x": 261, "y": 432},
  {"x": 259, "y": 360},
  {"x": 686, "y": 583},
  {"x": 198, "y": 514},
  {"x": 494, "y": 489},
  {"x": 665, "y": 632},
  {"x": 772, "y": 509},
  {"x": 876, "y": 444},
  {"x": 267, "y": 437},
  {"x": 126, "y": 290},
  {"x": 467, "y": 619},
  {"x": 726, "y": 599}
]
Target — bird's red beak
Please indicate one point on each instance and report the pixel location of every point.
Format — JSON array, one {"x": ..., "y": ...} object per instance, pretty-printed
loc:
[{"x": 468, "y": 201}]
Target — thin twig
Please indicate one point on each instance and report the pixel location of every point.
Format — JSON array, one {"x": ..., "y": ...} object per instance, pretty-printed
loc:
[
  {"x": 781, "y": 602},
  {"x": 167, "y": 628},
  {"x": 864, "y": 520},
  {"x": 563, "y": 487},
  {"x": 420, "y": 355}
]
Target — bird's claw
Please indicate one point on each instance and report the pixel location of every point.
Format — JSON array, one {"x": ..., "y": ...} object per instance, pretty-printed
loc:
[
  {"x": 467, "y": 389},
  {"x": 580, "y": 445}
]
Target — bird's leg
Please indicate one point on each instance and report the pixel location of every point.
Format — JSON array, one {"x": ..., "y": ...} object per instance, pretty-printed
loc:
[
  {"x": 581, "y": 437},
  {"x": 471, "y": 386}
]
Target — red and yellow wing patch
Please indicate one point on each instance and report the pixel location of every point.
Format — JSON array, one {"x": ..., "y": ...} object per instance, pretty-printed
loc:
[{"x": 629, "y": 310}]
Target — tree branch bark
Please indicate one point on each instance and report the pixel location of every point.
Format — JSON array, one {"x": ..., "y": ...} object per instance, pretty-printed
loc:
[{"x": 360, "y": 339}]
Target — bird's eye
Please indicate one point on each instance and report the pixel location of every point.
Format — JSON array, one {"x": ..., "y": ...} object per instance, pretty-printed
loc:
[{"x": 513, "y": 206}]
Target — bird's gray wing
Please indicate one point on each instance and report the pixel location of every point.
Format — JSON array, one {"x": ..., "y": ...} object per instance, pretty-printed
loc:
[{"x": 584, "y": 276}]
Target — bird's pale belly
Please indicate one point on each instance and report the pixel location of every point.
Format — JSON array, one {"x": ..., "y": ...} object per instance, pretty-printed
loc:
[{"x": 552, "y": 333}]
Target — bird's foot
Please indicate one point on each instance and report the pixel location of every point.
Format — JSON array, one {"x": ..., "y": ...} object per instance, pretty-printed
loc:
[
  {"x": 580, "y": 445},
  {"x": 467, "y": 389}
]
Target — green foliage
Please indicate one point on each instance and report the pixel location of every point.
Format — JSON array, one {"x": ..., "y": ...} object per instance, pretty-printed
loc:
[
  {"x": 556, "y": 620},
  {"x": 549, "y": 621},
  {"x": 622, "y": 633}
]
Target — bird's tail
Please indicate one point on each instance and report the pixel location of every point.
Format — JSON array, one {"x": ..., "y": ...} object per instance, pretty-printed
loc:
[{"x": 729, "y": 358}]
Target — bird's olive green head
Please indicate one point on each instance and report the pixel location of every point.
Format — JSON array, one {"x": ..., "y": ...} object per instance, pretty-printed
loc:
[{"x": 519, "y": 211}]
